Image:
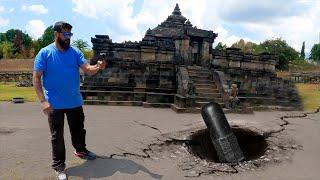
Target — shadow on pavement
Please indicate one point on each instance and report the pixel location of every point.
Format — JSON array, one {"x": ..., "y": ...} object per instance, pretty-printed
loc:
[{"x": 105, "y": 167}]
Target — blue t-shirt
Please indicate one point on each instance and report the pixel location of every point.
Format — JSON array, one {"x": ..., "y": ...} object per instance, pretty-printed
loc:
[{"x": 61, "y": 76}]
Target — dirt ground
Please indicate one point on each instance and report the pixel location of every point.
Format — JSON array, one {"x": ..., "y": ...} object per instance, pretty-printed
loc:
[{"x": 149, "y": 143}]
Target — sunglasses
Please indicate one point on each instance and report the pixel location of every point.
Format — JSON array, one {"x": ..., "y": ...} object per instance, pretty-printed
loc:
[{"x": 67, "y": 34}]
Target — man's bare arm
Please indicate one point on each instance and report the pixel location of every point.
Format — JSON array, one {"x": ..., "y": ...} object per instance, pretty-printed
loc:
[
  {"x": 38, "y": 88},
  {"x": 93, "y": 69}
]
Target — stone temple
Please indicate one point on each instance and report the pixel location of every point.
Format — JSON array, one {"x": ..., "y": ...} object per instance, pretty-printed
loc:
[{"x": 175, "y": 66}]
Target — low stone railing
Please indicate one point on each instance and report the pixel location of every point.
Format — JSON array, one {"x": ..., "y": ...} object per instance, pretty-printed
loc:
[
  {"x": 15, "y": 76},
  {"x": 233, "y": 58},
  {"x": 220, "y": 81},
  {"x": 185, "y": 84},
  {"x": 304, "y": 77}
]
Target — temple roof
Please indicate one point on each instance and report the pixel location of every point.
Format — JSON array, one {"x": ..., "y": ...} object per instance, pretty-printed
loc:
[
  {"x": 175, "y": 19},
  {"x": 176, "y": 25}
]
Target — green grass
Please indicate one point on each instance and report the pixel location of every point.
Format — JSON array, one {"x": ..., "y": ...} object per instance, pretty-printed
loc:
[
  {"x": 9, "y": 91},
  {"x": 310, "y": 94}
]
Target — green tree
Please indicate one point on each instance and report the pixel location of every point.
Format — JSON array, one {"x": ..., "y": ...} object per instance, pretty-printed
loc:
[
  {"x": 302, "y": 54},
  {"x": 47, "y": 37},
  {"x": 220, "y": 46},
  {"x": 2, "y": 37},
  {"x": 315, "y": 53},
  {"x": 6, "y": 49},
  {"x": 18, "y": 44},
  {"x": 83, "y": 46},
  {"x": 88, "y": 54},
  {"x": 21, "y": 42},
  {"x": 10, "y": 34},
  {"x": 279, "y": 47}
]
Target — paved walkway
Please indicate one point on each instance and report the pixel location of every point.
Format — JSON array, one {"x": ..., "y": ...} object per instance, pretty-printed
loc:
[{"x": 124, "y": 133}]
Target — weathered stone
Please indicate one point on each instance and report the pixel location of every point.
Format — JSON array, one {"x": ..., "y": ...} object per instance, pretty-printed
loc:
[{"x": 177, "y": 58}]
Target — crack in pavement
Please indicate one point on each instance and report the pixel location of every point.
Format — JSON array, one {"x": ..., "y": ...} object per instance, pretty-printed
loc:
[
  {"x": 212, "y": 171},
  {"x": 146, "y": 125},
  {"x": 7, "y": 131},
  {"x": 163, "y": 141},
  {"x": 286, "y": 122},
  {"x": 265, "y": 135},
  {"x": 303, "y": 115},
  {"x": 149, "y": 148}
]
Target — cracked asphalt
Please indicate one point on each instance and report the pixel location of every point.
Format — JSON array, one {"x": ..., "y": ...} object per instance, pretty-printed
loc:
[{"x": 147, "y": 143}]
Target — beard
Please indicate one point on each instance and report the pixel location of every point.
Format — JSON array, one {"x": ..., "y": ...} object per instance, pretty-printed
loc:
[{"x": 64, "y": 44}]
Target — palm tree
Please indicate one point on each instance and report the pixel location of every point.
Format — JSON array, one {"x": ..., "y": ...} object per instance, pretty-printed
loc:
[{"x": 80, "y": 44}]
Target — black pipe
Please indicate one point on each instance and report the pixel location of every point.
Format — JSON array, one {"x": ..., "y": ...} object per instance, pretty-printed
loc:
[{"x": 221, "y": 135}]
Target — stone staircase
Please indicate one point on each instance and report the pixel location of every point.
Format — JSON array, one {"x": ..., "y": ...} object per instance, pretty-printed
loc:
[{"x": 205, "y": 89}]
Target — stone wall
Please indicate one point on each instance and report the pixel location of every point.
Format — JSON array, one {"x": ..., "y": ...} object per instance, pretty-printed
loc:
[
  {"x": 304, "y": 77},
  {"x": 233, "y": 58},
  {"x": 250, "y": 72},
  {"x": 144, "y": 51},
  {"x": 129, "y": 73},
  {"x": 15, "y": 76}
]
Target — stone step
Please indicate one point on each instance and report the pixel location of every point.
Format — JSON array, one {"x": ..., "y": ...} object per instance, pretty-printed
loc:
[
  {"x": 208, "y": 85},
  {"x": 210, "y": 95},
  {"x": 197, "y": 78},
  {"x": 203, "y": 99},
  {"x": 194, "y": 67},
  {"x": 204, "y": 72},
  {"x": 206, "y": 90},
  {"x": 89, "y": 88},
  {"x": 202, "y": 81},
  {"x": 208, "y": 99},
  {"x": 177, "y": 109},
  {"x": 113, "y": 103},
  {"x": 206, "y": 76},
  {"x": 198, "y": 73},
  {"x": 193, "y": 110},
  {"x": 277, "y": 108},
  {"x": 200, "y": 104},
  {"x": 149, "y": 97},
  {"x": 156, "y": 105}
]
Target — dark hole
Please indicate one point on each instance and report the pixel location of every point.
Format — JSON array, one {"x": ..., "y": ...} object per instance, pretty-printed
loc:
[{"x": 252, "y": 144}]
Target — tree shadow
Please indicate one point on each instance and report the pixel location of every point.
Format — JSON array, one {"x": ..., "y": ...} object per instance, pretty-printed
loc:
[{"x": 106, "y": 166}]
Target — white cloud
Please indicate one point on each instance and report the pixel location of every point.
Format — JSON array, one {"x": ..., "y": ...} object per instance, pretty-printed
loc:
[
  {"x": 36, "y": 8},
  {"x": 256, "y": 21},
  {"x": 35, "y": 28},
  {"x": 3, "y": 21},
  {"x": 255, "y": 11},
  {"x": 293, "y": 29},
  {"x": 2, "y": 9},
  {"x": 117, "y": 15},
  {"x": 225, "y": 37}
]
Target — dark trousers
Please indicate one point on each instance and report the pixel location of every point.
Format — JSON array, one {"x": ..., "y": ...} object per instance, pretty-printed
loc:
[{"x": 75, "y": 117}]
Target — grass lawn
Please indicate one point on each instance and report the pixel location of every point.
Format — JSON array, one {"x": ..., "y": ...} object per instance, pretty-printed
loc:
[
  {"x": 310, "y": 94},
  {"x": 9, "y": 91}
]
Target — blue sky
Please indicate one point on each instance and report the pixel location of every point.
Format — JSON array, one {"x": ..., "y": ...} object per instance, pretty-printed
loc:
[{"x": 292, "y": 20}]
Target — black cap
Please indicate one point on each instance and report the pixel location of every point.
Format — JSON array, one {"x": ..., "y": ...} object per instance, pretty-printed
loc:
[{"x": 60, "y": 25}]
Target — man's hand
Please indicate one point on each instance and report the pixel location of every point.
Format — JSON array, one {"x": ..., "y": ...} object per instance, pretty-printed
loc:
[
  {"x": 101, "y": 64},
  {"x": 93, "y": 69},
  {"x": 46, "y": 108}
]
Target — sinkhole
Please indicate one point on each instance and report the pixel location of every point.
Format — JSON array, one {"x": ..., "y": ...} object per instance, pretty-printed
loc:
[{"x": 252, "y": 144}]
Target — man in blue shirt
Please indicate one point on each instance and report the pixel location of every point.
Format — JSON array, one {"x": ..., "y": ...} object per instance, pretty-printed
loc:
[{"x": 56, "y": 81}]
